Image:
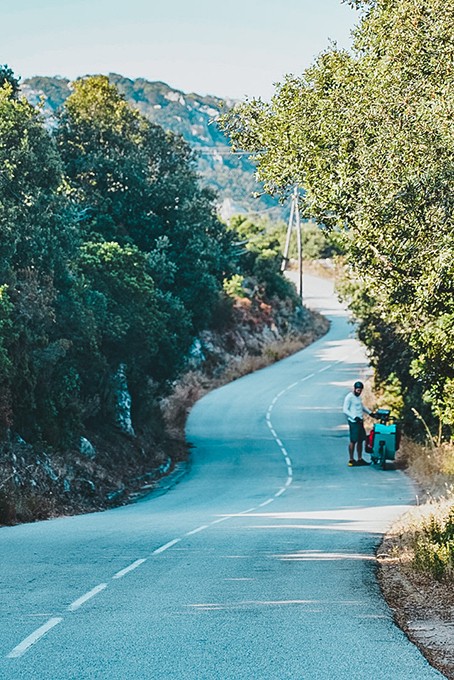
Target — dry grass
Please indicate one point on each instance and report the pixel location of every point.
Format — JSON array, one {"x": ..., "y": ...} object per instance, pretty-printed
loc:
[
  {"x": 175, "y": 407},
  {"x": 325, "y": 268},
  {"x": 416, "y": 574},
  {"x": 274, "y": 351},
  {"x": 432, "y": 468}
]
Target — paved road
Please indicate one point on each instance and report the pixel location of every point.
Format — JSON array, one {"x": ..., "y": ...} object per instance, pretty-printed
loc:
[{"x": 257, "y": 565}]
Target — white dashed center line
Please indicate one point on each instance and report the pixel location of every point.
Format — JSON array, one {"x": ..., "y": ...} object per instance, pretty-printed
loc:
[
  {"x": 34, "y": 637},
  {"x": 51, "y": 623},
  {"x": 131, "y": 567},
  {"x": 196, "y": 531},
  {"x": 270, "y": 500},
  {"x": 166, "y": 546},
  {"x": 91, "y": 593}
]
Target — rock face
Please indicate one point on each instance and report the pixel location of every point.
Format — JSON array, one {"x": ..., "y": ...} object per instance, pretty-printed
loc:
[
  {"x": 86, "y": 448},
  {"x": 193, "y": 117},
  {"x": 256, "y": 329},
  {"x": 122, "y": 402}
]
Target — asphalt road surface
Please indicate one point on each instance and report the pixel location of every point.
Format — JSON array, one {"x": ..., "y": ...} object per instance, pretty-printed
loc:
[{"x": 257, "y": 564}]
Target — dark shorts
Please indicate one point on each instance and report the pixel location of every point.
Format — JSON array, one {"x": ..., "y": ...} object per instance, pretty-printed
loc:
[{"x": 357, "y": 432}]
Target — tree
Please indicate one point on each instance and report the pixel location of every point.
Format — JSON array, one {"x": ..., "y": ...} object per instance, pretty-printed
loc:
[
  {"x": 7, "y": 77},
  {"x": 369, "y": 137},
  {"x": 36, "y": 225},
  {"x": 38, "y": 235},
  {"x": 135, "y": 323},
  {"x": 137, "y": 185},
  {"x": 260, "y": 257}
]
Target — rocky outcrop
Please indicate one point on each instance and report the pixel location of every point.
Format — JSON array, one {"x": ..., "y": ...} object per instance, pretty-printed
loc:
[
  {"x": 86, "y": 448},
  {"x": 255, "y": 329},
  {"x": 122, "y": 402}
]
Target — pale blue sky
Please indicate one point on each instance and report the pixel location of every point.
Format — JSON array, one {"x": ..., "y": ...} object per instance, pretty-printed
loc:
[{"x": 236, "y": 48}]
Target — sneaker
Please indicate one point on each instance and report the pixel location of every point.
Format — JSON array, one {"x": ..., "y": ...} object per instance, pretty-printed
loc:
[
  {"x": 361, "y": 461},
  {"x": 352, "y": 463}
]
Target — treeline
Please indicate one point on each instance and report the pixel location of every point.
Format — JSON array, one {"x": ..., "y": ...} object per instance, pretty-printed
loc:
[
  {"x": 186, "y": 114},
  {"x": 111, "y": 255},
  {"x": 369, "y": 136}
]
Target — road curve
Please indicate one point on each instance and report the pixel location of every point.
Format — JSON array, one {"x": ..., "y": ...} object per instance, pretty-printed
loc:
[{"x": 257, "y": 564}]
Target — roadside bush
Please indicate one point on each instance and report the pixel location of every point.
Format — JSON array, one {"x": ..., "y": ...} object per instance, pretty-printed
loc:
[
  {"x": 434, "y": 547},
  {"x": 259, "y": 261},
  {"x": 318, "y": 243},
  {"x": 234, "y": 286}
]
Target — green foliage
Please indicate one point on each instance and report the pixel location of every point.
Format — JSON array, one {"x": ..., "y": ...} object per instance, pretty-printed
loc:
[
  {"x": 38, "y": 354},
  {"x": 138, "y": 186},
  {"x": 368, "y": 136},
  {"x": 434, "y": 547},
  {"x": 261, "y": 256},
  {"x": 6, "y": 308},
  {"x": 35, "y": 226},
  {"x": 318, "y": 243},
  {"x": 109, "y": 246},
  {"x": 6, "y": 331},
  {"x": 7, "y": 78},
  {"x": 234, "y": 287},
  {"x": 135, "y": 324},
  {"x": 110, "y": 253},
  {"x": 391, "y": 395},
  {"x": 38, "y": 234}
]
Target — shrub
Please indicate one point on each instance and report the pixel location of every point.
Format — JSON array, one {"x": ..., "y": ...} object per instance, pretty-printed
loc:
[{"x": 434, "y": 547}]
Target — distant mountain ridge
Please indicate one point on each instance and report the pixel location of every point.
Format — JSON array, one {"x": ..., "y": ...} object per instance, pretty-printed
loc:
[{"x": 191, "y": 115}]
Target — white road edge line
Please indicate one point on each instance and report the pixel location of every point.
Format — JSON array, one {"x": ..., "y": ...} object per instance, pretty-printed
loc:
[
  {"x": 91, "y": 593},
  {"x": 166, "y": 546},
  {"x": 132, "y": 566},
  {"x": 34, "y": 637}
]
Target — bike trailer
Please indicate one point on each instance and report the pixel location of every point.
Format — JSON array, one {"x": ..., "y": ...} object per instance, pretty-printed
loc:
[{"x": 383, "y": 440}]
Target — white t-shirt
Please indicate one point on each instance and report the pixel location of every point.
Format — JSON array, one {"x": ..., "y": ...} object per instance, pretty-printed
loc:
[{"x": 354, "y": 407}]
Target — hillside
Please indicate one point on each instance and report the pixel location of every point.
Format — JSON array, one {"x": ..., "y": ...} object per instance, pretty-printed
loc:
[{"x": 191, "y": 115}]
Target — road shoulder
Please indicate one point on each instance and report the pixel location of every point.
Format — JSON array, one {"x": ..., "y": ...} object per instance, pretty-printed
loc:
[{"x": 423, "y": 608}]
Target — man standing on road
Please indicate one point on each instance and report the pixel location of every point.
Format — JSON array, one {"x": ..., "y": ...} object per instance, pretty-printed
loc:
[{"x": 354, "y": 409}]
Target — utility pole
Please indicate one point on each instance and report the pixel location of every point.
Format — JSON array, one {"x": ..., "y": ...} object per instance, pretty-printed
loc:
[{"x": 294, "y": 221}]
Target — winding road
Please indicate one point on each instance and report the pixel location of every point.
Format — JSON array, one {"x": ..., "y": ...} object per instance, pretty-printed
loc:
[{"x": 258, "y": 563}]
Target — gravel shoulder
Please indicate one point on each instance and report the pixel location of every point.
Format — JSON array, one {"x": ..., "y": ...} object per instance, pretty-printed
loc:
[{"x": 422, "y": 607}]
